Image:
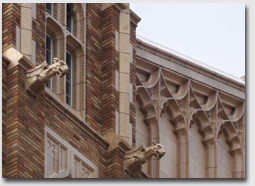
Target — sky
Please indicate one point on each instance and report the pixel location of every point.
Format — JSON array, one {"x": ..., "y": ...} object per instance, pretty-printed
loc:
[{"x": 212, "y": 33}]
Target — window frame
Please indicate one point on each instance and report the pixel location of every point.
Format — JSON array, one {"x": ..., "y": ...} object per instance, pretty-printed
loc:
[
  {"x": 51, "y": 8},
  {"x": 71, "y": 19},
  {"x": 71, "y": 80}
]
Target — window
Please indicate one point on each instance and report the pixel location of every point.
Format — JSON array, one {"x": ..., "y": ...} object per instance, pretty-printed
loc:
[
  {"x": 62, "y": 31},
  {"x": 49, "y": 8},
  {"x": 69, "y": 19},
  {"x": 69, "y": 79},
  {"x": 49, "y": 57}
]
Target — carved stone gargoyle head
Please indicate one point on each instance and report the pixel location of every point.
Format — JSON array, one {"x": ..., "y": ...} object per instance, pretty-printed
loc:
[
  {"x": 40, "y": 75},
  {"x": 59, "y": 67},
  {"x": 156, "y": 150},
  {"x": 138, "y": 156}
]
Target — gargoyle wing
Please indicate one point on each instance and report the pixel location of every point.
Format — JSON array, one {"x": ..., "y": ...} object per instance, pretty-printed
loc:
[
  {"x": 135, "y": 152},
  {"x": 37, "y": 70}
]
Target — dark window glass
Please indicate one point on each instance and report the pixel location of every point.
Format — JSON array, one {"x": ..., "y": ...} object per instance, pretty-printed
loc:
[
  {"x": 69, "y": 79},
  {"x": 49, "y": 56},
  {"x": 49, "y": 8},
  {"x": 69, "y": 19}
]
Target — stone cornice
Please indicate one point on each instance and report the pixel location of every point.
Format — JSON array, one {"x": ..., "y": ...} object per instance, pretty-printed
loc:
[
  {"x": 134, "y": 18},
  {"x": 188, "y": 64}
]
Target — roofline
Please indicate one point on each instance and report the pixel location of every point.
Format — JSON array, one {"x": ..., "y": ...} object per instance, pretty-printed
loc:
[{"x": 158, "y": 47}]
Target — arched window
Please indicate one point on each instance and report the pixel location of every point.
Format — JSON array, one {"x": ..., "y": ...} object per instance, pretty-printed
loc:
[
  {"x": 49, "y": 56},
  {"x": 67, "y": 34},
  {"x": 68, "y": 88},
  {"x": 69, "y": 18}
]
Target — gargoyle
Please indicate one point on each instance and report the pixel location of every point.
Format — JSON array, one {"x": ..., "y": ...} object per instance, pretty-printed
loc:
[
  {"x": 41, "y": 74},
  {"x": 135, "y": 158}
]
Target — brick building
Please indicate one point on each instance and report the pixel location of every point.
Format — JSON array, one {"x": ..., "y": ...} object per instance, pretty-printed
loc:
[{"x": 122, "y": 93}]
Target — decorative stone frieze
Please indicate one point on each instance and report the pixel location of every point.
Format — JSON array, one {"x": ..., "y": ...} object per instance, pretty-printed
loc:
[
  {"x": 41, "y": 74},
  {"x": 63, "y": 161},
  {"x": 138, "y": 156}
]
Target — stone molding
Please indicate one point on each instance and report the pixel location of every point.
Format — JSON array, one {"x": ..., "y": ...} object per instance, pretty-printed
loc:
[{"x": 134, "y": 18}]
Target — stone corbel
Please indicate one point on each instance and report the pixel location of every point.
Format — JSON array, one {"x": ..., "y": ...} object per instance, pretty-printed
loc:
[
  {"x": 134, "y": 159},
  {"x": 15, "y": 58},
  {"x": 41, "y": 74}
]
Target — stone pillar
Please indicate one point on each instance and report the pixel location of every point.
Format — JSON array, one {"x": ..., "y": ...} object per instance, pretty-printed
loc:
[
  {"x": 26, "y": 30},
  {"x": 124, "y": 74}
]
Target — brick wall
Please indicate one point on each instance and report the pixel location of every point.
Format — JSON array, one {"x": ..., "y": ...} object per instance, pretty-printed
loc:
[
  {"x": 94, "y": 66},
  {"x": 4, "y": 118},
  {"x": 11, "y": 18},
  {"x": 115, "y": 164},
  {"x": 13, "y": 160},
  {"x": 110, "y": 63}
]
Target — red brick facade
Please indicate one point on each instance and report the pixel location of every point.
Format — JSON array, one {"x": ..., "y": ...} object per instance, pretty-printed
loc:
[
  {"x": 110, "y": 96},
  {"x": 25, "y": 118},
  {"x": 94, "y": 66},
  {"x": 11, "y": 19}
]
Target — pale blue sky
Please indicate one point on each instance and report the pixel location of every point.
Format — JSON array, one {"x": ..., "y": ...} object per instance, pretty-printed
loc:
[{"x": 213, "y": 33}]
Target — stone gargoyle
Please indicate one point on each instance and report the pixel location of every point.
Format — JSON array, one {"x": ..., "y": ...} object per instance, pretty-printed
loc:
[
  {"x": 138, "y": 156},
  {"x": 40, "y": 75}
]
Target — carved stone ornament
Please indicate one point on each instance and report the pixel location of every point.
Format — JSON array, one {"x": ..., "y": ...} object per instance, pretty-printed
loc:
[
  {"x": 138, "y": 156},
  {"x": 62, "y": 160},
  {"x": 41, "y": 74}
]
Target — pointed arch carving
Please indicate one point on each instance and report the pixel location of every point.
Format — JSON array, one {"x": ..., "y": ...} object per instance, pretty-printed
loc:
[
  {"x": 187, "y": 102},
  {"x": 148, "y": 107},
  {"x": 227, "y": 127}
]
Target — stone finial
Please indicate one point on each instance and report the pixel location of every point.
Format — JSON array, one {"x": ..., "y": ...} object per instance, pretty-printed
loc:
[
  {"x": 135, "y": 158},
  {"x": 41, "y": 74}
]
